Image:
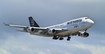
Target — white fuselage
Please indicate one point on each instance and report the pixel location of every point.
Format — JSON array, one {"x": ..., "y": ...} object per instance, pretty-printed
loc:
[{"x": 71, "y": 27}]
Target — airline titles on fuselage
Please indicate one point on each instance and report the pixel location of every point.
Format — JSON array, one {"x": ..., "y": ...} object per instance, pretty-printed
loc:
[{"x": 70, "y": 22}]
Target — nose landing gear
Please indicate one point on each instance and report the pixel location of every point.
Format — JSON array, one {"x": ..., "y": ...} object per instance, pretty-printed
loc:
[{"x": 68, "y": 39}]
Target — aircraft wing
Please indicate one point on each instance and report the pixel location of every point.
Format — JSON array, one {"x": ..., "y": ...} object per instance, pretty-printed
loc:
[
  {"x": 18, "y": 26},
  {"x": 46, "y": 30}
]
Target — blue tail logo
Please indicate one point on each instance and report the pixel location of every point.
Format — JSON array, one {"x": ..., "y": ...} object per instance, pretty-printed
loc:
[{"x": 33, "y": 22}]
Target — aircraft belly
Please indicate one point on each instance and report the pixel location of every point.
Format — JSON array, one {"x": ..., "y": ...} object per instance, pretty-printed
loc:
[
  {"x": 67, "y": 33},
  {"x": 70, "y": 32}
]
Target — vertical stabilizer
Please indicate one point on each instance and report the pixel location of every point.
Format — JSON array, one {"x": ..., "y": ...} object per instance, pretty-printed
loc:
[{"x": 33, "y": 22}]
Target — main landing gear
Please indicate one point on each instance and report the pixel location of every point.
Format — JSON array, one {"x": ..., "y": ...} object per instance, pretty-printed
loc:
[
  {"x": 61, "y": 38},
  {"x": 57, "y": 37}
]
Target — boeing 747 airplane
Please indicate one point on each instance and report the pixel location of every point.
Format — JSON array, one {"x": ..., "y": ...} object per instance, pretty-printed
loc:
[{"x": 59, "y": 31}]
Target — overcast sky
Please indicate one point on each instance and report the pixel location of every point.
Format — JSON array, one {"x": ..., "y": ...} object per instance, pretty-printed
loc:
[{"x": 46, "y": 13}]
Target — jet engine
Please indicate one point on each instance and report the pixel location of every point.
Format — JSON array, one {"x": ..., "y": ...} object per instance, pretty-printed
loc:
[
  {"x": 51, "y": 31},
  {"x": 85, "y": 34},
  {"x": 32, "y": 29}
]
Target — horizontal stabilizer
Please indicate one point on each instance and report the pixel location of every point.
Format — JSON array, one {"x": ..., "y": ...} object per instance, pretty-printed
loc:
[{"x": 18, "y": 26}]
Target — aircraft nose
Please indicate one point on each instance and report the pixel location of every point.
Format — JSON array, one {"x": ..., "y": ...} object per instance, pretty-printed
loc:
[{"x": 91, "y": 21}]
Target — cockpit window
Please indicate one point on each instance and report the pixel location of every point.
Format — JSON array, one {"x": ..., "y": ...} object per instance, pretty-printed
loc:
[{"x": 86, "y": 18}]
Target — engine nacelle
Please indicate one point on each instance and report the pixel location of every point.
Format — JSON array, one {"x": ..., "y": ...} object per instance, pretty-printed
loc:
[
  {"x": 33, "y": 30},
  {"x": 51, "y": 31},
  {"x": 83, "y": 34}
]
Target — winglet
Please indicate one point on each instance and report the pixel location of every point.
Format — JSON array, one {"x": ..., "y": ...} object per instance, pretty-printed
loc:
[{"x": 5, "y": 24}]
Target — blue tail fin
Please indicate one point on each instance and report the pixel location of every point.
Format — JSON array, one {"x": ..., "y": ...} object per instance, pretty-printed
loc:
[{"x": 32, "y": 22}]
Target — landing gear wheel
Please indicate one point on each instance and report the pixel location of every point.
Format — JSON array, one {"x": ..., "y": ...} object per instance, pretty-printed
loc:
[
  {"x": 60, "y": 38},
  {"x": 79, "y": 34},
  {"x": 55, "y": 37},
  {"x": 68, "y": 39}
]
